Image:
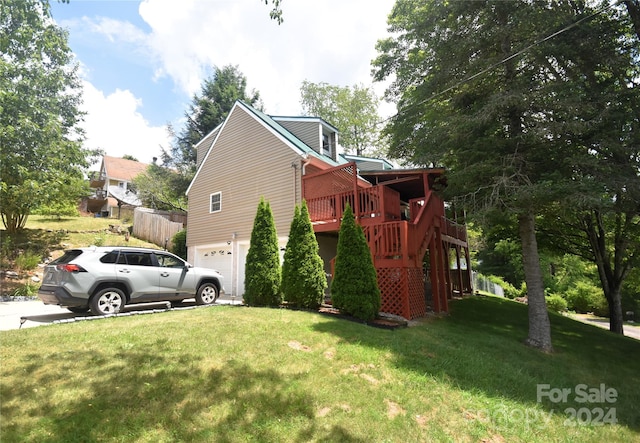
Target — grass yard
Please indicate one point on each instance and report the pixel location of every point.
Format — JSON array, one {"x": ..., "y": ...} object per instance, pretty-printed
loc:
[
  {"x": 229, "y": 374},
  {"x": 74, "y": 223},
  {"x": 78, "y": 232}
]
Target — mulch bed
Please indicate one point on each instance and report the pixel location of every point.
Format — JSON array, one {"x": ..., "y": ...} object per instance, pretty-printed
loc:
[{"x": 380, "y": 322}]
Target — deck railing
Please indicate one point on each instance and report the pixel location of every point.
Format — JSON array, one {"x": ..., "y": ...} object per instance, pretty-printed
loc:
[
  {"x": 377, "y": 202},
  {"x": 378, "y": 210},
  {"x": 453, "y": 229}
]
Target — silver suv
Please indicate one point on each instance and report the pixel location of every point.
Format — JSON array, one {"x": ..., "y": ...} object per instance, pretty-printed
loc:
[{"x": 105, "y": 279}]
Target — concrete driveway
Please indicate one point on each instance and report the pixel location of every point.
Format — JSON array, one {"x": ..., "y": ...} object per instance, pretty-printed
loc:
[
  {"x": 28, "y": 314},
  {"x": 630, "y": 329}
]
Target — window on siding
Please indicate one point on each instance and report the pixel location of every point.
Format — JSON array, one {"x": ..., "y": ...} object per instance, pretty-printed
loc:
[
  {"x": 326, "y": 145},
  {"x": 215, "y": 202}
]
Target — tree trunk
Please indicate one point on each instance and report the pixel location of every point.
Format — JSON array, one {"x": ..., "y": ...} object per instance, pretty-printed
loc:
[
  {"x": 616, "y": 319},
  {"x": 14, "y": 222},
  {"x": 633, "y": 8},
  {"x": 539, "y": 325},
  {"x": 611, "y": 276}
]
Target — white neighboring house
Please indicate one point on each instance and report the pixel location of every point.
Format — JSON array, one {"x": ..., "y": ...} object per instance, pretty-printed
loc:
[{"x": 112, "y": 186}]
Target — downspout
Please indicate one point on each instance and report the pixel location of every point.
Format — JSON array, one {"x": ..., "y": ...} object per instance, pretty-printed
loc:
[
  {"x": 304, "y": 161},
  {"x": 356, "y": 208},
  {"x": 295, "y": 182}
]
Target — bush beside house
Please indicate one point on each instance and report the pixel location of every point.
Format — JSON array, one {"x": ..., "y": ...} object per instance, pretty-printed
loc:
[
  {"x": 354, "y": 289},
  {"x": 262, "y": 268},
  {"x": 179, "y": 244},
  {"x": 303, "y": 277}
]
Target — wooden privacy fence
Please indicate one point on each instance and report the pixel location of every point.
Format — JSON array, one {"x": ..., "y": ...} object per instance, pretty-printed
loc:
[{"x": 154, "y": 227}]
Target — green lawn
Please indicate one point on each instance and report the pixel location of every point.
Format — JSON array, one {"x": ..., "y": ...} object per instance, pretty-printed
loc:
[
  {"x": 230, "y": 373},
  {"x": 80, "y": 231},
  {"x": 72, "y": 223}
]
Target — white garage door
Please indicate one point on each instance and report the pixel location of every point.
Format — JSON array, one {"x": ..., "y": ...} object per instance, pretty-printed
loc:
[{"x": 219, "y": 258}]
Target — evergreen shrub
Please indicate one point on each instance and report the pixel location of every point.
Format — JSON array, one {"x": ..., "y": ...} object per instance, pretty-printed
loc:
[
  {"x": 303, "y": 277},
  {"x": 262, "y": 268},
  {"x": 354, "y": 289}
]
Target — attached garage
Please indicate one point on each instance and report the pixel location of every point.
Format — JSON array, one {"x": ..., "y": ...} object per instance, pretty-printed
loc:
[{"x": 219, "y": 257}]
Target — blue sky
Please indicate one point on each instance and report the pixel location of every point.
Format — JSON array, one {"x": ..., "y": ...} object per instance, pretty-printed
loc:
[{"x": 142, "y": 61}]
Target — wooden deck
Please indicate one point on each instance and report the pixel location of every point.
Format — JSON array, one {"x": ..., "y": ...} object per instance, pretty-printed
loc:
[{"x": 420, "y": 256}]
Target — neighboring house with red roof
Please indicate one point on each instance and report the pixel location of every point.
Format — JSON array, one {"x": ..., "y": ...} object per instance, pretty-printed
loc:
[{"x": 113, "y": 186}]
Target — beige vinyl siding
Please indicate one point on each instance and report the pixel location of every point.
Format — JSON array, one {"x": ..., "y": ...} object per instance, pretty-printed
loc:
[
  {"x": 365, "y": 165},
  {"x": 247, "y": 162},
  {"x": 203, "y": 145},
  {"x": 309, "y": 132}
]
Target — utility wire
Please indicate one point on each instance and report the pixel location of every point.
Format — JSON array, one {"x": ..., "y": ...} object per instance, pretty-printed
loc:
[{"x": 501, "y": 62}]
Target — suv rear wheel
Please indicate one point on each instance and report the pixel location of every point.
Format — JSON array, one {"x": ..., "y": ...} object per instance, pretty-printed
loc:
[
  {"x": 207, "y": 294},
  {"x": 107, "y": 301},
  {"x": 78, "y": 309}
]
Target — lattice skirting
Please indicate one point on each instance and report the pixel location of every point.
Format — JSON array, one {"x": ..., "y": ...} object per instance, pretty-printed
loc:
[{"x": 402, "y": 291}]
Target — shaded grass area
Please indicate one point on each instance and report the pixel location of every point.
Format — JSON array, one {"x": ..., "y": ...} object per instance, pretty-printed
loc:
[{"x": 267, "y": 375}]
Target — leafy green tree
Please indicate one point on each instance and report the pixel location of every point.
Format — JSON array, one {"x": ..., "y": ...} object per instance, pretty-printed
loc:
[
  {"x": 59, "y": 208},
  {"x": 164, "y": 186},
  {"x": 262, "y": 268},
  {"x": 41, "y": 154},
  {"x": 157, "y": 187},
  {"x": 354, "y": 289},
  {"x": 633, "y": 9},
  {"x": 478, "y": 129},
  {"x": 483, "y": 91},
  {"x": 207, "y": 110},
  {"x": 630, "y": 294},
  {"x": 354, "y": 111},
  {"x": 600, "y": 219},
  {"x": 499, "y": 252},
  {"x": 303, "y": 277}
]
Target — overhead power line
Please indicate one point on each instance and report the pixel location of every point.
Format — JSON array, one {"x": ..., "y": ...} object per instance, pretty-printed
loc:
[{"x": 501, "y": 62}]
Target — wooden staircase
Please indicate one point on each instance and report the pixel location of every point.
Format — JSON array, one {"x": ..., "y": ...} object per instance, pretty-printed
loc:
[{"x": 398, "y": 241}]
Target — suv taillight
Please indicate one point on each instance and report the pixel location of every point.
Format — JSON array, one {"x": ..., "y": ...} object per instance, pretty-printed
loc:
[{"x": 70, "y": 268}]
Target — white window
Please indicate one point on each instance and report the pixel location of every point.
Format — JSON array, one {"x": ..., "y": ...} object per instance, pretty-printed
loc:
[
  {"x": 326, "y": 145},
  {"x": 215, "y": 202}
]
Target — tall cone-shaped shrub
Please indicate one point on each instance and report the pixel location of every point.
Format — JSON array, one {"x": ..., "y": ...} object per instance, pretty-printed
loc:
[
  {"x": 354, "y": 289},
  {"x": 303, "y": 277},
  {"x": 262, "y": 268}
]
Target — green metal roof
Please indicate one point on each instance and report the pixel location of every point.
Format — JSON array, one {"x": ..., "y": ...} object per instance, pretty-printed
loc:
[{"x": 295, "y": 141}]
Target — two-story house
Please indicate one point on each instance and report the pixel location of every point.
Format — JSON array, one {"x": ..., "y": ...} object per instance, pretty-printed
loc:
[
  {"x": 287, "y": 159},
  {"x": 112, "y": 186}
]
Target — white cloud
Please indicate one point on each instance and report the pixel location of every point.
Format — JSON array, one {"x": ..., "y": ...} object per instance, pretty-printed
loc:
[
  {"x": 115, "y": 29},
  {"x": 114, "y": 124},
  {"x": 329, "y": 41}
]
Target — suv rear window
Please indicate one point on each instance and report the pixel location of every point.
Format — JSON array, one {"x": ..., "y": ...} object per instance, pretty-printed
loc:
[
  {"x": 110, "y": 257},
  {"x": 67, "y": 257}
]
